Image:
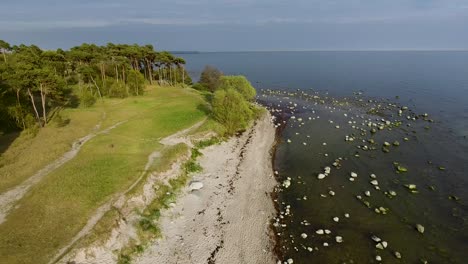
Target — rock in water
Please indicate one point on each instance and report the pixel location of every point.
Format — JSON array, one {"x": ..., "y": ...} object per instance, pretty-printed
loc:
[
  {"x": 195, "y": 185},
  {"x": 397, "y": 255},
  {"x": 420, "y": 228}
]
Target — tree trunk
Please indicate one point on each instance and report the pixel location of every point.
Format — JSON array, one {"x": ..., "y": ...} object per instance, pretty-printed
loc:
[
  {"x": 116, "y": 73},
  {"x": 97, "y": 87},
  {"x": 183, "y": 75},
  {"x": 4, "y": 56},
  {"x": 35, "y": 108},
  {"x": 43, "y": 100},
  {"x": 150, "y": 71}
]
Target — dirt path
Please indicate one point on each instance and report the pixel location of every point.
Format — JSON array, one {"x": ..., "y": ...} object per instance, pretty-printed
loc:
[
  {"x": 102, "y": 255},
  {"x": 10, "y": 197},
  {"x": 227, "y": 221}
]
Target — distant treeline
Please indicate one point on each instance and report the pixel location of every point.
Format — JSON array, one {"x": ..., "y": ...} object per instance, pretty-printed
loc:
[{"x": 35, "y": 84}]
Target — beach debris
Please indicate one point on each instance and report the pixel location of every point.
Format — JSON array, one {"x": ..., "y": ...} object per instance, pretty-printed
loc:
[
  {"x": 287, "y": 183},
  {"x": 420, "y": 228},
  {"x": 195, "y": 185},
  {"x": 411, "y": 188}
]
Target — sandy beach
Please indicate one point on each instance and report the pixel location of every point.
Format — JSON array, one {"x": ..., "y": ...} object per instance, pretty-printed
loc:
[{"x": 226, "y": 221}]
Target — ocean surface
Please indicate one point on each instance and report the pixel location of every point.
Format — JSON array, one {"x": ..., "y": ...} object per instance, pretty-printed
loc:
[{"x": 372, "y": 152}]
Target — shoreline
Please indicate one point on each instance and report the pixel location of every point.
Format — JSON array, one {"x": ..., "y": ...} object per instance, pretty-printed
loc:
[{"x": 228, "y": 220}]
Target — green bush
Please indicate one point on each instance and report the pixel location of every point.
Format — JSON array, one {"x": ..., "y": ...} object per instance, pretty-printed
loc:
[
  {"x": 118, "y": 90},
  {"x": 86, "y": 98},
  {"x": 135, "y": 82},
  {"x": 232, "y": 110},
  {"x": 240, "y": 84},
  {"x": 199, "y": 87}
]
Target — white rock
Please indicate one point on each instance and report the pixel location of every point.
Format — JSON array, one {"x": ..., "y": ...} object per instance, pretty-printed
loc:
[
  {"x": 304, "y": 235},
  {"x": 321, "y": 176},
  {"x": 385, "y": 244},
  {"x": 327, "y": 231},
  {"x": 336, "y": 219},
  {"x": 373, "y": 176},
  {"x": 338, "y": 239},
  {"x": 325, "y": 244},
  {"x": 310, "y": 249},
  {"x": 351, "y": 179},
  {"x": 286, "y": 183},
  {"x": 320, "y": 232},
  {"x": 332, "y": 193},
  {"x": 195, "y": 185},
  {"x": 346, "y": 215},
  {"x": 367, "y": 193},
  {"x": 353, "y": 174},
  {"x": 420, "y": 228},
  {"x": 376, "y": 238},
  {"x": 397, "y": 255},
  {"x": 290, "y": 261},
  {"x": 378, "y": 258},
  {"x": 379, "y": 246},
  {"x": 374, "y": 182}
]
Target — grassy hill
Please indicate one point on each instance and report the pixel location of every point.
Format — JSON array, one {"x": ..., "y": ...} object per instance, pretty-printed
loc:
[{"x": 53, "y": 211}]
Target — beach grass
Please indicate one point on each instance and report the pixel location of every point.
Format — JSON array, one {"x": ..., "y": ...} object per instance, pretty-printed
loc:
[{"x": 56, "y": 209}]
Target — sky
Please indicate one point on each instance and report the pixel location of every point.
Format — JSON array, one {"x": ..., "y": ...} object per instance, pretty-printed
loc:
[{"x": 239, "y": 25}]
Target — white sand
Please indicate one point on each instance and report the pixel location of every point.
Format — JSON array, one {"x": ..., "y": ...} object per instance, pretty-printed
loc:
[{"x": 227, "y": 221}]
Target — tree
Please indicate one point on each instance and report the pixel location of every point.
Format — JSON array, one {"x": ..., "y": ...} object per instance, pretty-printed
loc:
[
  {"x": 210, "y": 78},
  {"x": 136, "y": 82},
  {"x": 240, "y": 84},
  {"x": 231, "y": 110},
  {"x": 4, "y": 48}
]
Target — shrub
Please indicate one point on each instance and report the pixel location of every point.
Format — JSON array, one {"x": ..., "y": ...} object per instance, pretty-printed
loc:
[
  {"x": 118, "y": 90},
  {"x": 240, "y": 84},
  {"x": 210, "y": 78},
  {"x": 232, "y": 110},
  {"x": 86, "y": 98},
  {"x": 199, "y": 87},
  {"x": 135, "y": 82}
]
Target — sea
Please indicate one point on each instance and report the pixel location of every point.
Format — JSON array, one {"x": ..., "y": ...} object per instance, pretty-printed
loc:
[{"x": 372, "y": 151}]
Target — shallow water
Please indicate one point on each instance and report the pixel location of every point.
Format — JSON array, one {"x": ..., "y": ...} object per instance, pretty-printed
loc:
[
  {"x": 427, "y": 82},
  {"x": 427, "y": 151}
]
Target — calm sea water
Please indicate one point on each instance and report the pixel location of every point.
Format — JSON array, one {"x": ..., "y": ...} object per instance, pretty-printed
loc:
[{"x": 320, "y": 98}]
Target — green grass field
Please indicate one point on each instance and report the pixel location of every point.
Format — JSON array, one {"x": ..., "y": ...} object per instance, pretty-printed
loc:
[{"x": 54, "y": 210}]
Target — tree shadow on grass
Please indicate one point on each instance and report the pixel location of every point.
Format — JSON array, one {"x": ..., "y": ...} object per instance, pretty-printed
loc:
[{"x": 7, "y": 139}]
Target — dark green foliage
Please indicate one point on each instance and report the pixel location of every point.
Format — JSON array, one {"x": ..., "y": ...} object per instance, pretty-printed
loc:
[
  {"x": 199, "y": 87},
  {"x": 192, "y": 166},
  {"x": 33, "y": 82},
  {"x": 232, "y": 110},
  {"x": 210, "y": 78}
]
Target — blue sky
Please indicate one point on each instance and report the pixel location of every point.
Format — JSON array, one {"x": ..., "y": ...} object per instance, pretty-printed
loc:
[{"x": 230, "y": 25}]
